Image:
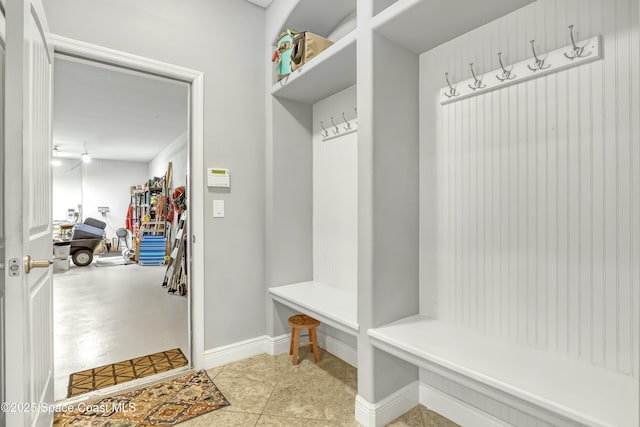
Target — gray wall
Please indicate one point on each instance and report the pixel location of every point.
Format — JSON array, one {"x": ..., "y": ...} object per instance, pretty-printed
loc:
[{"x": 223, "y": 39}]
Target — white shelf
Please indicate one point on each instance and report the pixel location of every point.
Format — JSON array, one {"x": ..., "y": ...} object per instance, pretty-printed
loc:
[
  {"x": 319, "y": 17},
  {"x": 582, "y": 392},
  {"x": 328, "y": 73},
  {"x": 421, "y": 25},
  {"x": 335, "y": 307}
]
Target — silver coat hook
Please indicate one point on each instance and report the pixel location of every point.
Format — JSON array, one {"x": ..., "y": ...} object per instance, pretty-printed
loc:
[
  {"x": 506, "y": 74},
  {"x": 477, "y": 82},
  {"x": 348, "y": 125},
  {"x": 577, "y": 52},
  {"x": 326, "y": 132},
  {"x": 539, "y": 64},
  {"x": 452, "y": 90},
  {"x": 337, "y": 131}
]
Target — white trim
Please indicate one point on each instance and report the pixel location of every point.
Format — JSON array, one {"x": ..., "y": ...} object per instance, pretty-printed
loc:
[
  {"x": 456, "y": 410},
  {"x": 388, "y": 409},
  {"x": 261, "y": 3},
  {"x": 338, "y": 348},
  {"x": 196, "y": 80},
  {"x": 277, "y": 345},
  {"x": 233, "y": 352}
]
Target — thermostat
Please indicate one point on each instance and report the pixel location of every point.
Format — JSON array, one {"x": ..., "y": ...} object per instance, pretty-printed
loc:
[{"x": 218, "y": 177}]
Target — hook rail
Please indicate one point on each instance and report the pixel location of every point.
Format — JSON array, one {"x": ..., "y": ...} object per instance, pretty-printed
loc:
[
  {"x": 541, "y": 64},
  {"x": 349, "y": 127}
]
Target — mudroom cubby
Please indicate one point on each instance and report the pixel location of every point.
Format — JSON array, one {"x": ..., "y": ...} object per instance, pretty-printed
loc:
[
  {"x": 489, "y": 266},
  {"x": 524, "y": 308},
  {"x": 312, "y": 216}
]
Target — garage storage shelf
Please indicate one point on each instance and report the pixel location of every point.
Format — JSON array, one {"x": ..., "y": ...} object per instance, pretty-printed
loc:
[
  {"x": 332, "y": 306},
  {"x": 328, "y": 73},
  {"x": 587, "y": 394},
  {"x": 420, "y": 25}
]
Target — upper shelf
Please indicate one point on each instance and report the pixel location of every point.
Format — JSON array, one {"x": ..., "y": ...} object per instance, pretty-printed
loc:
[
  {"x": 319, "y": 17},
  {"x": 328, "y": 73},
  {"x": 421, "y": 25}
]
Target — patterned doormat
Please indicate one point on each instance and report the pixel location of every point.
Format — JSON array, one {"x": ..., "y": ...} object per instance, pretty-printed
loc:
[
  {"x": 127, "y": 370},
  {"x": 163, "y": 404}
]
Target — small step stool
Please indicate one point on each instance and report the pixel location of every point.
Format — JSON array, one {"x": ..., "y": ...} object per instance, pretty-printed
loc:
[{"x": 298, "y": 322}]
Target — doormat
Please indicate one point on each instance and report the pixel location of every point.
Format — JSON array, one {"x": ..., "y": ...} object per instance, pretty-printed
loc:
[
  {"x": 163, "y": 404},
  {"x": 122, "y": 372}
]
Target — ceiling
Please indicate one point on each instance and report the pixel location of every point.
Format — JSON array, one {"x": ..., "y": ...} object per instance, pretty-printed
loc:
[
  {"x": 261, "y": 3},
  {"x": 119, "y": 114}
]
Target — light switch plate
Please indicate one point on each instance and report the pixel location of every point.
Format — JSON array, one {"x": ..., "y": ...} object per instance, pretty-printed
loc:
[{"x": 218, "y": 208}]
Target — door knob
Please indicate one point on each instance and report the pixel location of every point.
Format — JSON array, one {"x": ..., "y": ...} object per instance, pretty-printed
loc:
[{"x": 30, "y": 264}]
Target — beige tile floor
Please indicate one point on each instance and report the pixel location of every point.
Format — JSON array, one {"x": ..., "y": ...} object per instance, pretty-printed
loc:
[{"x": 269, "y": 391}]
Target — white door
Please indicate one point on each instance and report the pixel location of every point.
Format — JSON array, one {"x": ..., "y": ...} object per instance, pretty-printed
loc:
[
  {"x": 2, "y": 375},
  {"x": 27, "y": 191}
]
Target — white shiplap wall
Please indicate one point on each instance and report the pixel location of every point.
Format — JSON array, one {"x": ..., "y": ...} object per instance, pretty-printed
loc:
[
  {"x": 533, "y": 191},
  {"x": 335, "y": 194}
]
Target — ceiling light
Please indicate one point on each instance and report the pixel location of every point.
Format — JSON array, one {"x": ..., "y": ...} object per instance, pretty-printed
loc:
[
  {"x": 86, "y": 158},
  {"x": 56, "y": 161}
]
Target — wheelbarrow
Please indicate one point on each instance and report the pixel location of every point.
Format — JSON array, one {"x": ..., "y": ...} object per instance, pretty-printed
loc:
[
  {"x": 84, "y": 240},
  {"x": 81, "y": 251}
]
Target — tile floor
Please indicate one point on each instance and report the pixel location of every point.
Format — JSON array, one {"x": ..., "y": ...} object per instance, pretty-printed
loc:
[
  {"x": 269, "y": 391},
  {"x": 108, "y": 314}
]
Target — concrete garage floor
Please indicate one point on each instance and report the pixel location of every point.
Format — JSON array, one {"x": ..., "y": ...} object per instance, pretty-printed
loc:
[{"x": 104, "y": 315}]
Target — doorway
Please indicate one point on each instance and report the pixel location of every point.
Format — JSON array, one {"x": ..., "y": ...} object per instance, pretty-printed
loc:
[{"x": 121, "y": 144}]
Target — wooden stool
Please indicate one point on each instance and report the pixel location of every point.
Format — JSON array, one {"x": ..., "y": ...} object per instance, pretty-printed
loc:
[{"x": 298, "y": 322}]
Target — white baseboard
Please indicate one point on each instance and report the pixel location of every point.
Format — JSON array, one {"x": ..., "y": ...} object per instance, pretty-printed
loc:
[
  {"x": 233, "y": 352},
  {"x": 388, "y": 409},
  {"x": 456, "y": 410},
  {"x": 277, "y": 345},
  {"x": 338, "y": 348},
  {"x": 273, "y": 345},
  {"x": 241, "y": 350}
]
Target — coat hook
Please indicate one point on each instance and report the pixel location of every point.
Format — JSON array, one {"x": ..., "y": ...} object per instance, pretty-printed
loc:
[
  {"x": 506, "y": 74},
  {"x": 578, "y": 52},
  {"x": 348, "y": 125},
  {"x": 452, "y": 90},
  {"x": 356, "y": 111},
  {"x": 539, "y": 64},
  {"x": 477, "y": 82},
  {"x": 337, "y": 131},
  {"x": 326, "y": 132}
]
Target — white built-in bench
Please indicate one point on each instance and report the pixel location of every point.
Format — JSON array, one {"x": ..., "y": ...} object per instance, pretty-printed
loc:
[
  {"x": 332, "y": 306},
  {"x": 581, "y": 392}
]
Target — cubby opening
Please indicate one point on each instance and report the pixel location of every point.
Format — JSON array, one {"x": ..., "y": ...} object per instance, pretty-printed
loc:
[{"x": 513, "y": 287}]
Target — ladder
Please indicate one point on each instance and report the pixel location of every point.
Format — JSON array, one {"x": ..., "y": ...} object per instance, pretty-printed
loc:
[{"x": 175, "y": 278}]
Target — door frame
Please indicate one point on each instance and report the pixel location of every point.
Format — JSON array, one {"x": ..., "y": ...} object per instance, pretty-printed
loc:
[
  {"x": 2, "y": 249},
  {"x": 195, "y": 165}
]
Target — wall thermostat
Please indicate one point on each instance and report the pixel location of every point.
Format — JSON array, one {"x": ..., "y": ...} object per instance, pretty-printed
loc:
[{"x": 218, "y": 177}]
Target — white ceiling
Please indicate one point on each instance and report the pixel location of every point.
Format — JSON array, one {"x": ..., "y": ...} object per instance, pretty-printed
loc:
[
  {"x": 121, "y": 115},
  {"x": 261, "y": 3}
]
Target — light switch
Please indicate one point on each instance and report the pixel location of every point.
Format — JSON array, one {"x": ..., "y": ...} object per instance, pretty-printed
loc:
[{"x": 218, "y": 208}]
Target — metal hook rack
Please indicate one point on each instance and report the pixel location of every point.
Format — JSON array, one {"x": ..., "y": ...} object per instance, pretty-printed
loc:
[
  {"x": 325, "y": 132},
  {"x": 477, "y": 82},
  {"x": 452, "y": 90},
  {"x": 349, "y": 127},
  {"x": 541, "y": 64},
  {"x": 506, "y": 73},
  {"x": 337, "y": 130},
  {"x": 577, "y": 51}
]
